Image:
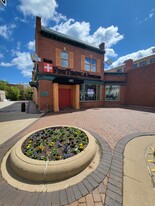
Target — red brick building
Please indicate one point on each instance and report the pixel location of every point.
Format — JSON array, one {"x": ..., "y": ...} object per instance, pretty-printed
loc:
[{"x": 70, "y": 74}]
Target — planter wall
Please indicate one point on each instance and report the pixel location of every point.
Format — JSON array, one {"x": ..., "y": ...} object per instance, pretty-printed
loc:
[{"x": 51, "y": 171}]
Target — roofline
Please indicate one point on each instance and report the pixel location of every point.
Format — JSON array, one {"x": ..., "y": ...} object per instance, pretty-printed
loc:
[
  {"x": 134, "y": 61},
  {"x": 144, "y": 57},
  {"x": 49, "y": 33}
]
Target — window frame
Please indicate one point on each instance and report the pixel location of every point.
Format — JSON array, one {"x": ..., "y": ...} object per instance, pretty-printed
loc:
[
  {"x": 91, "y": 65},
  {"x": 110, "y": 100},
  {"x": 83, "y": 90},
  {"x": 64, "y": 59}
]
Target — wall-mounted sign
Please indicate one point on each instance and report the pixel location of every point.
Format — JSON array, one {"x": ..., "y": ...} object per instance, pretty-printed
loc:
[
  {"x": 48, "y": 67},
  {"x": 44, "y": 94},
  {"x": 69, "y": 72}
]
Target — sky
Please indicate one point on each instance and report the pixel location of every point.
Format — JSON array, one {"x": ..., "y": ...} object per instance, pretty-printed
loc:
[{"x": 126, "y": 26}]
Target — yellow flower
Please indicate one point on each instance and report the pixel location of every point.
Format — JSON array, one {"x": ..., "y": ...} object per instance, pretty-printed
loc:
[
  {"x": 51, "y": 144},
  {"x": 81, "y": 146},
  {"x": 41, "y": 147},
  {"x": 58, "y": 157},
  {"x": 28, "y": 146}
]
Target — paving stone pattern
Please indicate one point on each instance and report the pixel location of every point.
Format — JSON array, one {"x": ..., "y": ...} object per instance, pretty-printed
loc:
[{"x": 111, "y": 126}]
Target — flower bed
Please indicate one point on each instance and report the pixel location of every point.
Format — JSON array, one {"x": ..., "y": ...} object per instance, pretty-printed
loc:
[
  {"x": 55, "y": 143},
  {"x": 81, "y": 150}
]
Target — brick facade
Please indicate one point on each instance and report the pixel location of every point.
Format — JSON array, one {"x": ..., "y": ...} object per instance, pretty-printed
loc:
[
  {"x": 140, "y": 87},
  {"x": 133, "y": 86}
]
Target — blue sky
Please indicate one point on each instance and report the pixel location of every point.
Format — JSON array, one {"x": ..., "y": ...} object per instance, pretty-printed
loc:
[{"x": 126, "y": 27}]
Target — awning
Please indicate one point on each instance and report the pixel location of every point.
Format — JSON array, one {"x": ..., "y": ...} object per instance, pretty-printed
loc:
[
  {"x": 94, "y": 82},
  {"x": 34, "y": 84}
]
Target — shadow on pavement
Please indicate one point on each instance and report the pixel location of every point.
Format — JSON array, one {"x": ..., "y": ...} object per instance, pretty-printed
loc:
[{"x": 10, "y": 111}]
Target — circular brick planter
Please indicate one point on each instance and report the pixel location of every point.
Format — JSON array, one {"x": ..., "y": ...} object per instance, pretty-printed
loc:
[{"x": 51, "y": 171}]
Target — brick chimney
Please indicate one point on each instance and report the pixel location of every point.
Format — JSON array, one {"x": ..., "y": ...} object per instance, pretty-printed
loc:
[
  {"x": 128, "y": 65},
  {"x": 38, "y": 23},
  {"x": 37, "y": 34}
]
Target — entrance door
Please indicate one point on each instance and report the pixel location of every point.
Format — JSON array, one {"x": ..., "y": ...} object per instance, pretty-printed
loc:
[{"x": 64, "y": 98}]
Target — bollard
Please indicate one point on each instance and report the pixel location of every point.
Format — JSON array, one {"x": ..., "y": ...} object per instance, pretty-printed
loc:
[{"x": 23, "y": 107}]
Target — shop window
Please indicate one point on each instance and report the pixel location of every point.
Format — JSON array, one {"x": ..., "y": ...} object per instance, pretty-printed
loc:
[
  {"x": 89, "y": 92},
  {"x": 112, "y": 93},
  {"x": 90, "y": 64}
]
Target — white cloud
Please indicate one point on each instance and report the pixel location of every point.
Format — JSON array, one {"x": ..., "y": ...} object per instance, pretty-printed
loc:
[
  {"x": 18, "y": 45},
  {"x": 22, "y": 61},
  {"x": 81, "y": 30},
  {"x": 31, "y": 45},
  {"x": 135, "y": 55},
  {"x": 1, "y": 55},
  {"x": 45, "y": 9},
  {"x": 150, "y": 16},
  {"x": 7, "y": 30}
]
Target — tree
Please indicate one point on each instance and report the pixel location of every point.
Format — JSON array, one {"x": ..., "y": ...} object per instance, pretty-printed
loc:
[
  {"x": 13, "y": 93},
  {"x": 3, "y": 85},
  {"x": 28, "y": 93}
]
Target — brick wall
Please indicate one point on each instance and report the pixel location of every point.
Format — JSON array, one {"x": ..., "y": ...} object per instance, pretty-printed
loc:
[
  {"x": 45, "y": 95},
  {"x": 140, "y": 88},
  {"x": 115, "y": 77}
]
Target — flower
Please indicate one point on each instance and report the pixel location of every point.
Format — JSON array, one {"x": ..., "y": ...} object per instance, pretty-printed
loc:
[
  {"x": 35, "y": 153},
  {"x": 68, "y": 155},
  {"x": 28, "y": 146},
  {"x": 81, "y": 146},
  {"x": 41, "y": 147},
  {"x": 51, "y": 144},
  {"x": 58, "y": 157}
]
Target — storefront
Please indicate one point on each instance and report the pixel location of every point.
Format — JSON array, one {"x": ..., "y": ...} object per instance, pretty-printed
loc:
[{"x": 69, "y": 73}]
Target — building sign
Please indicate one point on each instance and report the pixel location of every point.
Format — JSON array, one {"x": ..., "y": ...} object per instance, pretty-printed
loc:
[
  {"x": 69, "y": 72},
  {"x": 44, "y": 94},
  {"x": 48, "y": 67}
]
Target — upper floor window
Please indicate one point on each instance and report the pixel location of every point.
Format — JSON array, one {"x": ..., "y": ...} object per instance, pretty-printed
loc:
[
  {"x": 135, "y": 66},
  {"x": 64, "y": 58},
  {"x": 152, "y": 60},
  {"x": 142, "y": 63},
  {"x": 90, "y": 64}
]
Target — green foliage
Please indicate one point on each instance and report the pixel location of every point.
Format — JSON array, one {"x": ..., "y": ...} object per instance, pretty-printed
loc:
[
  {"x": 13, "y": 93},
  {"x": 3, "y": 85},
  {"x": 16, "y": 92},
  {"x": 28, "y": 93}
]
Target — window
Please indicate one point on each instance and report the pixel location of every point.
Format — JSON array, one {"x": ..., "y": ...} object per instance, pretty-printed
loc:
[
  {"x": 89, "y": 92},
  {"x": 142, "y": 63},
  {"x": 152, "y": 60},
  {"x": 112, "y": 93},
  {"x": 134, "y": 66},
  {"x": 90, "y": 64},
  {"x": 64, "y": 58}
]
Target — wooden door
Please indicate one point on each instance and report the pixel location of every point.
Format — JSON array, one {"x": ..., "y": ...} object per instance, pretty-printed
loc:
[{"x": 64, "y": 98}]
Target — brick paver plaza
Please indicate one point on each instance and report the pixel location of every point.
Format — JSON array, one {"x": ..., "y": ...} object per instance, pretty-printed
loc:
[{"x": 116, "y": 126}]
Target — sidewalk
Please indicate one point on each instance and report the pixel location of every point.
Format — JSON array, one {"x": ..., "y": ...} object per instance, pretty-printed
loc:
[
  {"x": 116, "y": 126},
  {"x": 138, "y": 188},
  {"x": 12, "y": 120}
]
